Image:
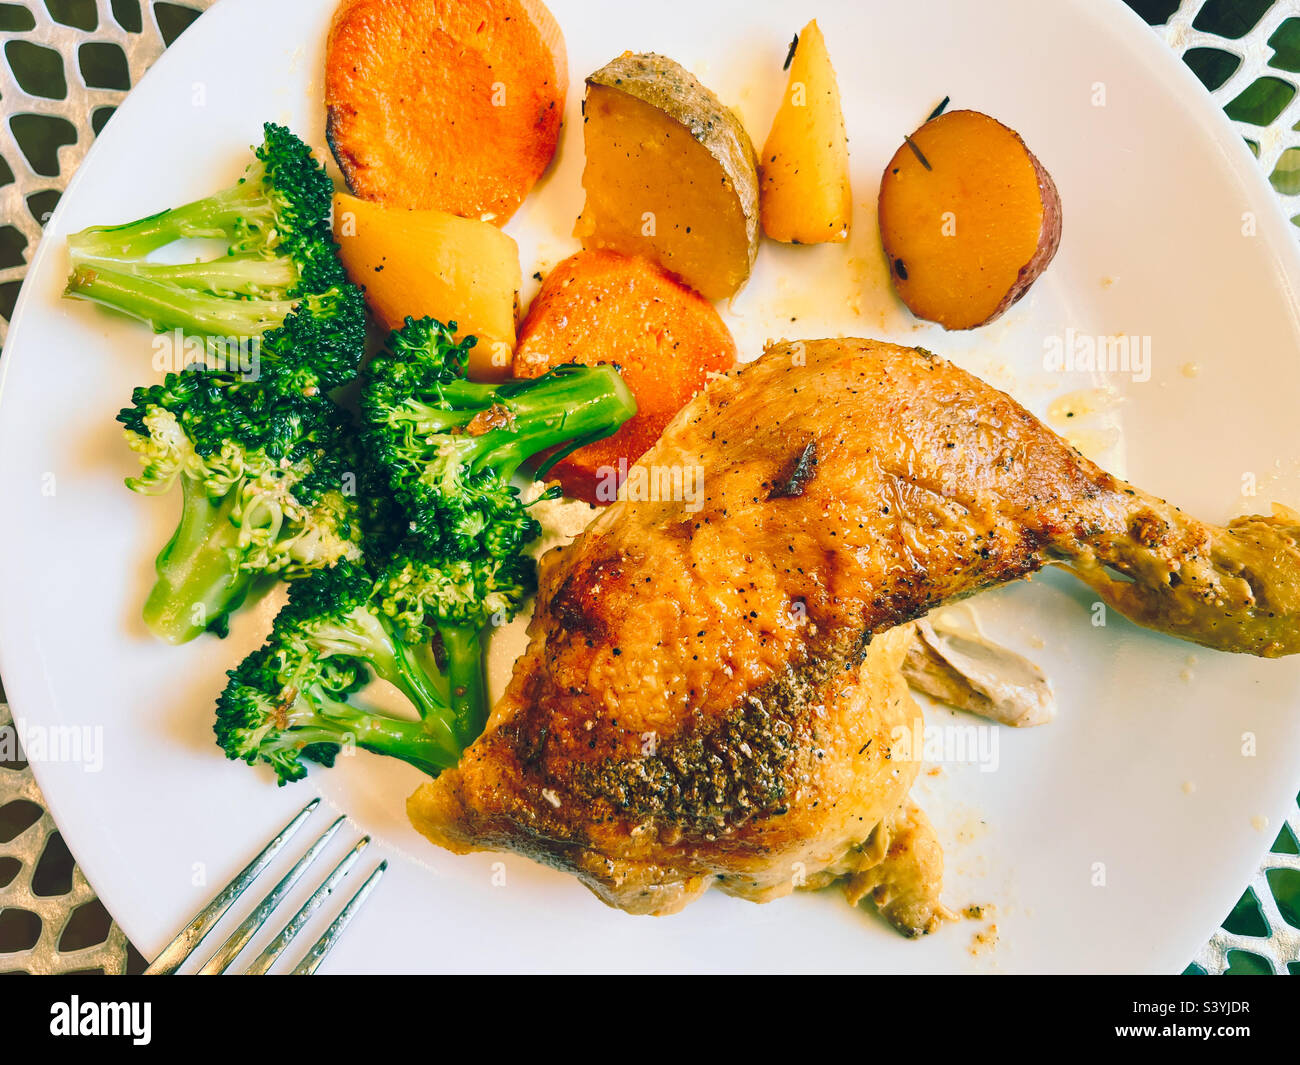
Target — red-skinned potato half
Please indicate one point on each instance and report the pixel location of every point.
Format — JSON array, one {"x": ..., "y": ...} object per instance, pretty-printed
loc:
[
  {"x": 450, "y": 105},
  {"x": 969, "y": 219},
  {"x": 601, "y": 306}
]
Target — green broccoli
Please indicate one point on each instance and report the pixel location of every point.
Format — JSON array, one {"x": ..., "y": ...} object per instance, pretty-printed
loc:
[
  {"x": 288, "y": 701},
  {"x": 281, "y": 710},
  {"x": 331, "y": 613},
  {"x": 445, "y": 533},
  {"x": 266, "y": 487},
  {"x": 280, "y": 281},
  {"x": 452, "y": 602},
  {"x": 341, "y": 626},
  {"x": 447, "y": 449}
]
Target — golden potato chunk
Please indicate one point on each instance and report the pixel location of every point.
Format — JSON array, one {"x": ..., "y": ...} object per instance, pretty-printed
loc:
[
  {"x": 804, "y": 169},
  {"x": 430, "y": 263}
]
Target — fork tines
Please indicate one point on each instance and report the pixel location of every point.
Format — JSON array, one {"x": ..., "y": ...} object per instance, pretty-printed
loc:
[{"x": 187, "y": 941}]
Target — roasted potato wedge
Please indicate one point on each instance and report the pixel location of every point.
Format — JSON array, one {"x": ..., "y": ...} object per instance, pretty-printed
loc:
[
  {"x": 803, "y": 170},
  {"x": 418, "y": 263},
  {"x": 670, "y": 174}
]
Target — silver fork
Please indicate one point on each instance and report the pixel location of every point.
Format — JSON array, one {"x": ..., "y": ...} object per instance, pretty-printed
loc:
[{"x": 187, "y": 941}]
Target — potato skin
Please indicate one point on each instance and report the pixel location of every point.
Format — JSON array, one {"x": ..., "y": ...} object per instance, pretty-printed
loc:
[
  {"x": 667, "y": 87},
  {"x": 1049, "y": 239},
  {"x": 982, "y": 191}
]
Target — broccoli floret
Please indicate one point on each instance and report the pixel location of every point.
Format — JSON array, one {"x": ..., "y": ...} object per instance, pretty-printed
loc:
[
  {"x": 453, "y": 602},
  {"x": 332, "y": 615},
  {"x": 446, "y": 449},
  {"x": 266, "y": 488},
  {"x": 276, "y": 209},
  {"x": 280, "y": 281},
  {"x": 444, "y": 538},
  {"x": 281, "y": 707}
]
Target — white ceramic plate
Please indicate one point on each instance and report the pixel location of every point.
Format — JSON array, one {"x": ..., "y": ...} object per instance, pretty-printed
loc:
[{"x": 1113, "y": 839}]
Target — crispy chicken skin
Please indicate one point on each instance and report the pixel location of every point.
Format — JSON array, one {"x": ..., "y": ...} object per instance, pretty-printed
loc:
[
  {"x": 711, "y": 695},
  {"x": 757, "y": 798}
]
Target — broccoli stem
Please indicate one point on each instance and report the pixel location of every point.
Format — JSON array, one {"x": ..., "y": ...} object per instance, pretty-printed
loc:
[
  {"x": 222, "y": 216},
  {"x": 365, "y": 636},
  {"x": 166, "y": 306},
  {"x": 413, "y": 682},
  {"x": 236, "y": 275},
  {"x": 199, "y": 582},
  {"x": 571, "y": 403},
  {"x": 332, "y": 721},
  {"x": 463, "y": 645}
]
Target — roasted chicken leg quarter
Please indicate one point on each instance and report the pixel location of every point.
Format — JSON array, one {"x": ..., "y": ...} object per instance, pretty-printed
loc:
[{"x": 711, "y": 694}]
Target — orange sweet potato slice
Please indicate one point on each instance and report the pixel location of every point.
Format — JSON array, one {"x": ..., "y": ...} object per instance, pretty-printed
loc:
[
  {"x": 453, "y": 105},
  {"x": 601, "y": 306}
]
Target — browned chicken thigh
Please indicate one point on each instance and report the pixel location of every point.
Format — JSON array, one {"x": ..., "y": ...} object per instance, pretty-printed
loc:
[{"x": 712, "y": 696}]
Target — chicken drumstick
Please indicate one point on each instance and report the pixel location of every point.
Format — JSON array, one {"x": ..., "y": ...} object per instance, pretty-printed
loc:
[{"x": 711, "y": 692}]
